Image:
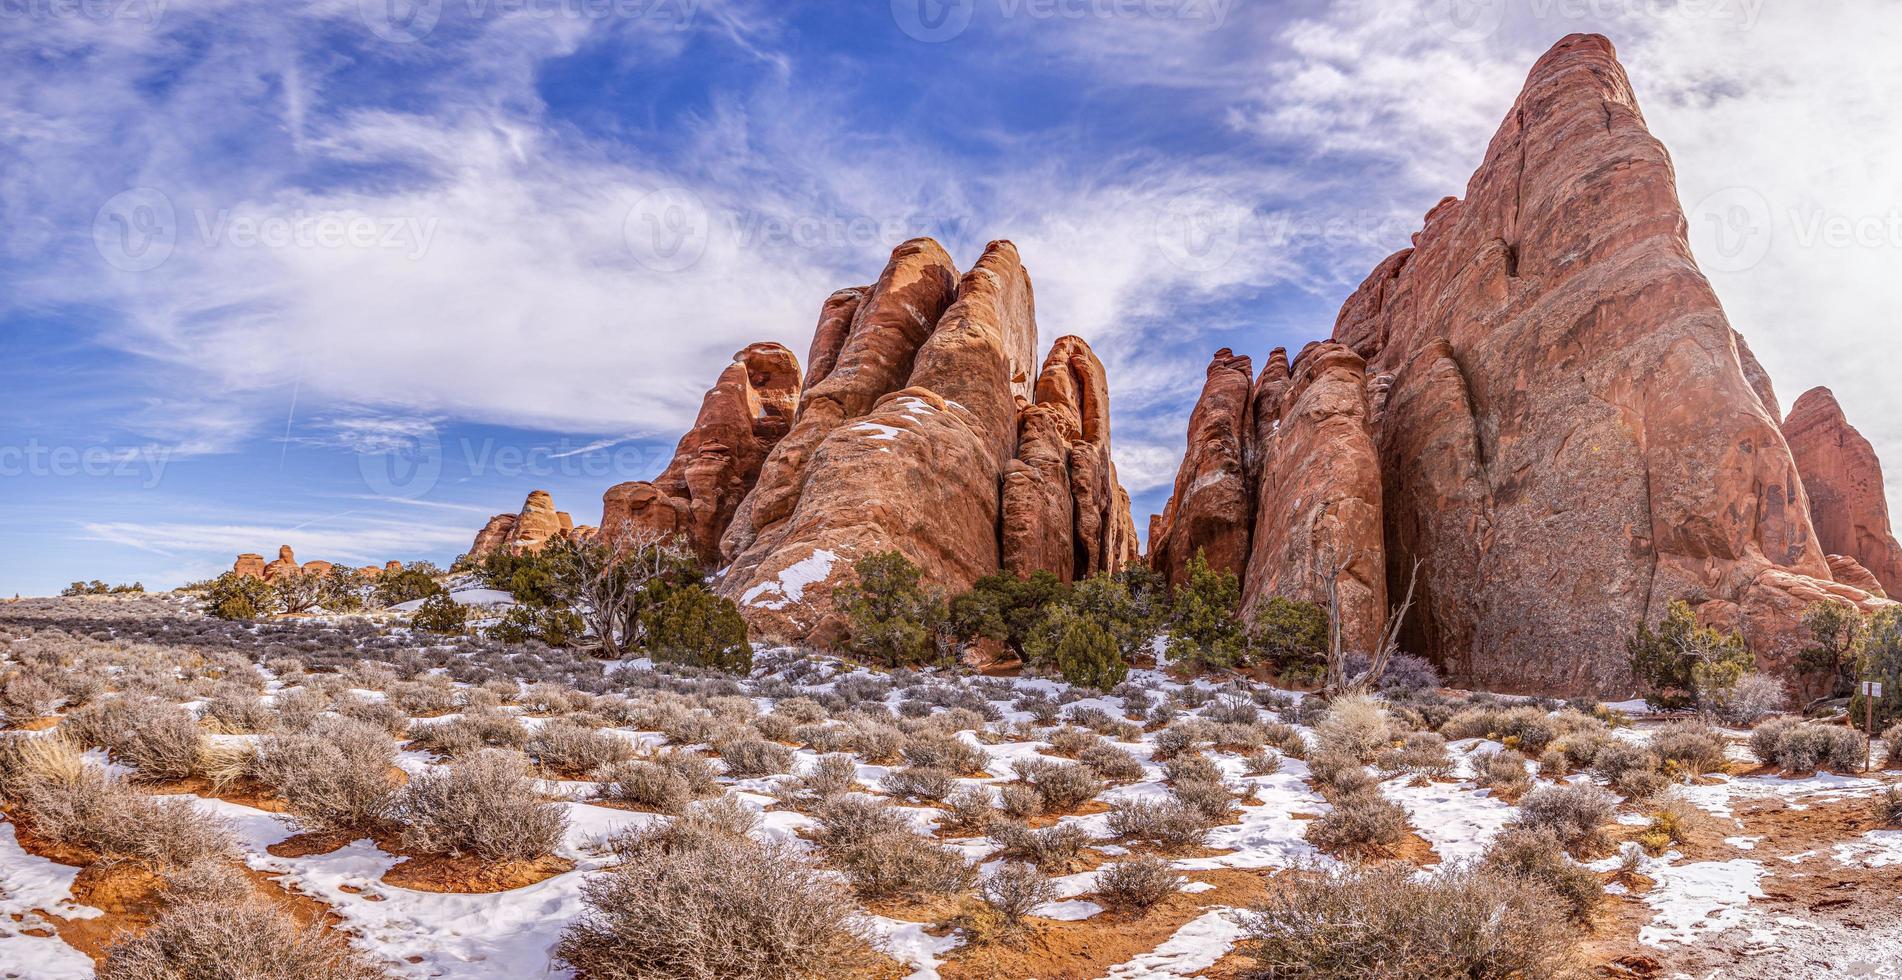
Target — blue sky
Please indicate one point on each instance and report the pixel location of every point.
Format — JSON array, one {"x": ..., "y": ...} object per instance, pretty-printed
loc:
[{"x": 252, "y": 255}]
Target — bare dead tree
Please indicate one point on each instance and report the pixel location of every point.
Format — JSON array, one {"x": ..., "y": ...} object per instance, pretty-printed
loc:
[
  {"x": 1390, "y": 637},
  {"x": 606, "y": 576}
]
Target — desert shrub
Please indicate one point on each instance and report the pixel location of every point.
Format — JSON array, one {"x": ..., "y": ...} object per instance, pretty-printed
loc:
[
  {"x": 1112, "y": 764},
  {"x": 1360, "y": 820},
  {"x": 1526, "y": 729},
  {"x": 1051, "y": 847},
  {"x": 484, "y": 804},
  {"x": 1261, "y": 762},
  {"x": 1336, "y": 773},
  {"x": 209, "y": 938},
  {"x": 920, "y": 782},
  {"x": 894, "y": 618},
  {"x": 1137, "y": 885},
  {"x": 1798, "y": 746},
  {"x": 1065, "y": 786},
  {"x": 1503, "y": 771},
  {"x": 1671, "y": 823},
  {"x": 1014, "y": 890},
  {"x": 700, "y": 901},
  {"x": 567, "y": 747},
  {"x": 1382, "y": 921},
  {"x": 237, "y": 709},
  {"x": 1633, "y": 770},
  {"x": 1020, "y": 800},
  {"x": 163, "y": 743},
  {"x": 666, "y": 783},
  {"x": 1694, "y": 746},
  {"x": 381, "y": 714},
  {"x": 1203, "y": 626},
  {"x": 1289, "y": 633},
  {"x": 24, "y": 697},
  {"x": 1892, "y": 745},
  {"x": 904, "y": 865},
  {"x": 1888, "y": 807},
  {"x": 695, "y": 627},
  {"x": 1424, "y": 755},
  {"x": 1683, "y": 663},
  {"x": 1169, "y": 824},
  {"x": 440, "y": 614},
  {"x": 1405, "y": 673},
  {"x": 556, "y": 626},
  {"x": 1355, "y": 725},
  {"x": 79, "y": 805},
  {"x": 1013, "y": 610},
  {"x": 336, "y": 775},
  {"x": 1534, "y": 855},
  {"x": 750, "y": 757},
  {"x": 1754, "y": 697},
  {"x": 947, "y": 752},
  {"x": 1081, "y": 650},
  {"x": 240, "y": 597},
  {"x": 1574, "y": 813},
  {"x": 469, "y": 732},
  {"x": 417, "y": 580}
]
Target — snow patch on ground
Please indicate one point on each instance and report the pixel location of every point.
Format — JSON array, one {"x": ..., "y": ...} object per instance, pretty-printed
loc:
[
  {"x": 1194, "y": 948},
  {"x": 1700, "y": 899},
  {"x": 1876, "y": 849}
]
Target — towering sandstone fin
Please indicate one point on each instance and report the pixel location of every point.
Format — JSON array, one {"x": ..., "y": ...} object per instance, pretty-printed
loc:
[
  {"x": 1210, "y": 509},
  {"x": 874, "y": 358},
  {"x": 1064, "y": 510},
  {"x": 1318, "y": 511},
  {"x": 1844, "y": 478},
  {"x": 1574, "y": 436},
  {"x": 749, "y": 409}
]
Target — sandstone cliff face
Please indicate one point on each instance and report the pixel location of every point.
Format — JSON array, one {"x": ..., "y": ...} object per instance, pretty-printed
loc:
[
  {"x": 1064, "y": 510},
  {"x": 1318, "y": 492},
  {"x": 1211, "y": 506},
  {"x": 918, "y": 468},
  {"x": 1572, "y": 436},
  {"x": 1848, "y": 503},
  {"x": 249, "y": 565},
  {"x": 749, "y": 409},
  {"x": 495, "y": 534}
]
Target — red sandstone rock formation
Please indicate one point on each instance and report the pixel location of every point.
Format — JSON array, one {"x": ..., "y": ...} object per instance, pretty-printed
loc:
[
  {"x": 1848, "y": 502},
  {"x": 495, "y": 534},
  {"x": 749, "y": 409},
  {"x": 1318, "y": 491},
  {"x": 1572, "y": 436},
  {"x": 249, "y": 565},
  {"x": 880, "y": 458},
  {"x": 286, "y": 564},
  {"x": 1064, "y": 510},
  {"x": 1851, "y": 572},
  {"x": 317, "y": 567},
  {"x": 537, "y": 524},
  {"x": 1209, "y": 510}
]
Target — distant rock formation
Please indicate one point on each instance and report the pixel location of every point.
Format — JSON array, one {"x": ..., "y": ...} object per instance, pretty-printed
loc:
[
  {"x": 1210, "y": 509},
  {"x": 249, "y": 565},
  {"x": 285, "y": 565},
  {"x": 749, "y": 409},
  {"x": 1848, "y": 502},
  {"x": 529, "y": 530}
]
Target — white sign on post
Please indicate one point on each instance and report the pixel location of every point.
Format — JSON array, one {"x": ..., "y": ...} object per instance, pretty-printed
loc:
[{"x": 1872, "y": 689}]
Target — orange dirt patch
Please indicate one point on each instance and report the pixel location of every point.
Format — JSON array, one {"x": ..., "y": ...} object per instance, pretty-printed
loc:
[
  {"x": 1081, "y": 950},
  {"x": 32, "y": 725},
  {"x": 128, "y": 893},
  {"x": 311, "y": 845},
  {"x": 472, "y": 875},
  {"x": 244, "y": 792}
]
